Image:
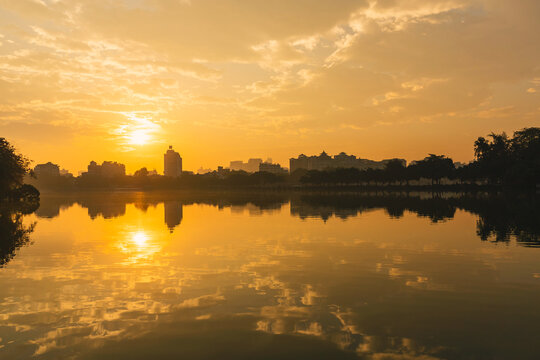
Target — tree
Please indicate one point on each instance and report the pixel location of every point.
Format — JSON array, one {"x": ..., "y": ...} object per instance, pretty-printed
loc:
[
  {"x": 514, "y": 161},
  {"x": 13, "y": 168},
  {"x": 435, "y": 167},
  {"x": 493, "y": 156},
  {"x": 141, "y": 172},
  {"x": 395, "y": 170},
  {"x": 525, "y": 154}
]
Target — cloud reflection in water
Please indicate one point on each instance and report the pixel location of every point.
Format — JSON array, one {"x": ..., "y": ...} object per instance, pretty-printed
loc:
[{"x": 370, "y": 286}]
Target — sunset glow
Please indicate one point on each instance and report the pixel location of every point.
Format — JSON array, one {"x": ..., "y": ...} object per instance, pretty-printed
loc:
[
  {"x": 264, "y": 79},
  {"x": 138, "y": 137},
  {"x": 269, "y": 179}
]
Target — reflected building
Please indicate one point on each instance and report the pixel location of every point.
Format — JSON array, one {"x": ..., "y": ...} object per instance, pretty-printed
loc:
[
  {"x": 106, "y": 210},
  {"x": 172, "y": 163},
  {"x": 501, "y": 218},
  {"x": 48, "y": 210},
  {"x": 173, "y": 214}
]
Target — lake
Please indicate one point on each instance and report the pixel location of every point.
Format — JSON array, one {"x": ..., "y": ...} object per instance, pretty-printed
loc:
[{"x": 139, "y": 275}]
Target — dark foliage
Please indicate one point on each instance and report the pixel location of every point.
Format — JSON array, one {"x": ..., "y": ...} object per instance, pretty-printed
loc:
[
  {"x": 503, "y": 160},
  {"x": 13, "y": 168},
  {"x": 433, "y": 167}
]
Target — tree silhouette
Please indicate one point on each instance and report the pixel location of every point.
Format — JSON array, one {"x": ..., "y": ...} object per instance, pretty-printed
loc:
[
  {"x": 141, "y": 172},
  {"x": 13, "y": 168},
  {"x": 396, "y": 170},
  {"x": 506, "y": 160},
  {"x": 435, "y": 167}
]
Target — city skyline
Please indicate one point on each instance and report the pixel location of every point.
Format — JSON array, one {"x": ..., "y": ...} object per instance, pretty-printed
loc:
[
  {"x": 153, "y": 164},
  {"x": 376, "y": 78},
  {"x": 316, "y": 162}
]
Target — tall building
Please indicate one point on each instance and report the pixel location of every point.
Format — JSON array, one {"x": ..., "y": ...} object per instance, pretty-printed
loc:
[
  {"x": 342, "y": 160},
  {"x": 172, "y": 163}
]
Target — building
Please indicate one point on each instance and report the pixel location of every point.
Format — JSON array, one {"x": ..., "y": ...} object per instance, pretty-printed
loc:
[
  {"x": 47, "y": 170},
  {"x": 251, "y": 166},
  {"x": 342, "y": 160},
  {"x": 236, "y": 165},
  {"x": 94, "y": 168},
  {"x": 272, "y": 168},
  {"x": 172, "y": 163},
  {"x": 107, "y": 169},
  {"x": 202, "y": 171},
  {"x": 111, "y": 169}
]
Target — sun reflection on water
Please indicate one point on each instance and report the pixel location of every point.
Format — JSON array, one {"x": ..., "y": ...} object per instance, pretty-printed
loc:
[
  {"x": 140, "y": 239},
  {"x": 139, "y": 245}
]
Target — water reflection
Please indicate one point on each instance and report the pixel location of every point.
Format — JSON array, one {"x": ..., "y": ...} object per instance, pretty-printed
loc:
[
  {"x": 139, "y": 245},
  {"x": 14, "y": 234},
  {"x": 500, "y": 217},
  {"x": 274, "y": 276},
  {"x": 173, "y": 214}
]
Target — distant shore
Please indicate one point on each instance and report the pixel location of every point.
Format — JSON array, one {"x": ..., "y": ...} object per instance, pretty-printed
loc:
[{"x": 388, "y": 188}]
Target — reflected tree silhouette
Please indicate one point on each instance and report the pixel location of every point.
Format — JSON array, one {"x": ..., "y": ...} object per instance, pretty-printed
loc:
[
  {"x": 13, "y": 232},
  {"x": 514, "y": 217},
  {"x": 501, "y": 217}
]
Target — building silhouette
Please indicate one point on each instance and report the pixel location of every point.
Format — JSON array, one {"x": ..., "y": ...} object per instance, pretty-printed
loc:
[
  {"x": 272, "y": 168},
  {"x": 47, "y": 170},
  {"x": 65, "y": 172},
  {"x": 202, "y": 171},
  {"x": 342, "y": 160},
  {"x": 108, "y": 169},
  {"x": 251, "y": 166},
  {"x": 172, "y": 163}
]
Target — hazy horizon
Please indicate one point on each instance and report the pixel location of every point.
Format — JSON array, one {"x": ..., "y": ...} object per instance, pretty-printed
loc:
[{"x": 227, "y": 80}]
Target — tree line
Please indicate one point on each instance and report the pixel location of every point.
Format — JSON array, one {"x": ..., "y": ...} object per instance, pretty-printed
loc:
[{"x": 498, "y": 160}]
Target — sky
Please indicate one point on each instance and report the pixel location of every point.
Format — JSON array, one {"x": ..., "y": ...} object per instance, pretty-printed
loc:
[{"x": 224, "y": 80}]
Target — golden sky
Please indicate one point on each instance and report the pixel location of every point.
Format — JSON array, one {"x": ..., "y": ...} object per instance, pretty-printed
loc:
[{"x": 225, "y": 80}]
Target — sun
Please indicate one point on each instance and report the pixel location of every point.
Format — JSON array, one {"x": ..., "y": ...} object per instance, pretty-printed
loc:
[
  {"x": 139, "y": 137},
  {"x": 138, "y": 130}
]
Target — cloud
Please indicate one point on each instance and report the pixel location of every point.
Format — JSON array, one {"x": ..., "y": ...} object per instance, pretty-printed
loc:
[{"x": 268, "y": 69}]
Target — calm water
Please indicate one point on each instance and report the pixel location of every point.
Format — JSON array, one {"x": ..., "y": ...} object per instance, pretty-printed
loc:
[{"x": 224, "y": 276}]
